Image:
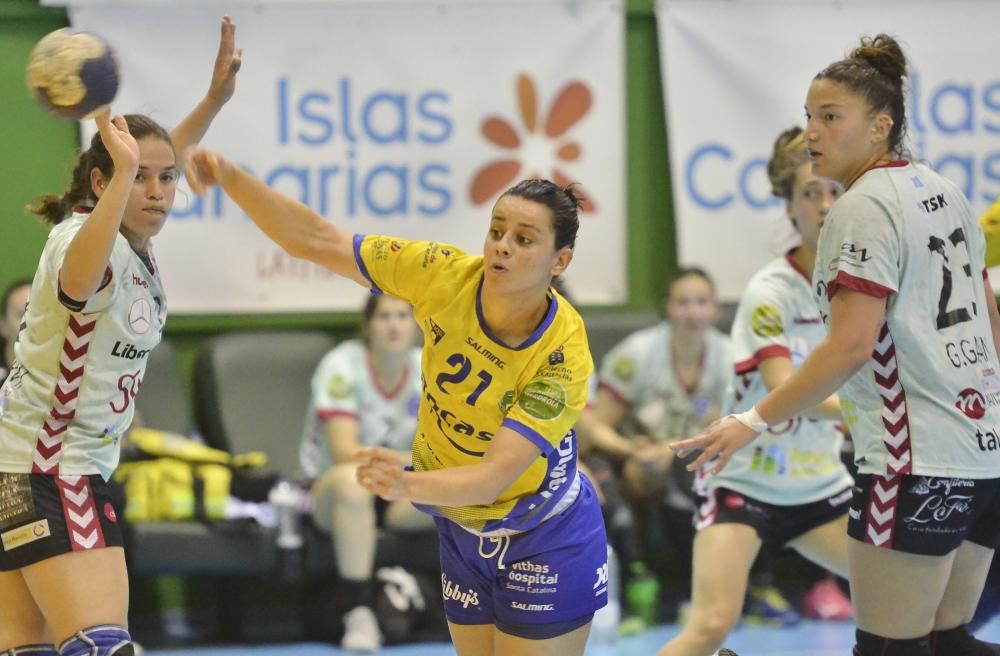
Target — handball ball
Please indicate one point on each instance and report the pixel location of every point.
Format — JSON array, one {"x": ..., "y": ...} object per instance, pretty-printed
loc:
[{"x": 73, "y": 75}]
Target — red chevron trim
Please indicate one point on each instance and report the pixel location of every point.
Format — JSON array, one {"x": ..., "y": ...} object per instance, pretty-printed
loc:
[
  {"x": 81, "y": 329},
  {"x": 62, "y": 416},
  {"x": 48, "y": 451},
  {"x": 83, "y": 523},
  {"x": 707, "y": 512},
  {"x": 897, "y": 452},
  {"x": 895, "y": 403},
  {"x": 69, "y": 375},
  {"x": 889, "y": 380},
  {"x": 75, "y": 353},
  {"x": 880, "y": 516},
  {"x": 65, "y": 397},
  {"x": 895, "y": 428},
  {"x": 891, "y": 406},
  {"x": 884, "y": 358},
  {"x": 52, "y": 432},
  {"x": 65, "y": 394}
]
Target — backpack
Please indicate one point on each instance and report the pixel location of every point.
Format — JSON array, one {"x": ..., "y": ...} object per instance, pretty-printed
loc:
[{"x": 408, "y": 606}]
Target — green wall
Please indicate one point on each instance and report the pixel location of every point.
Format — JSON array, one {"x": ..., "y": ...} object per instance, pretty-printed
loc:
[{"x": 38, "y": 153}]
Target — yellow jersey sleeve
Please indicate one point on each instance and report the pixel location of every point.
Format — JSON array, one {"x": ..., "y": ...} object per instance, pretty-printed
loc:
[
  {"x": 990, "y": 221},
  {"x": 549, "y": 403},
  {"x": 409, "y": 270}
]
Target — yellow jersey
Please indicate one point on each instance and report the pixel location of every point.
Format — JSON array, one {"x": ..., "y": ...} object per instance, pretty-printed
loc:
[
  {"x": 473, "y": 383},
  {"x": 990, "y": 221}
]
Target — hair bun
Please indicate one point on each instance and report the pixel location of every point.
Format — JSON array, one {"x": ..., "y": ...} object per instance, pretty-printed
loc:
[{"x": 882, "y": 53}]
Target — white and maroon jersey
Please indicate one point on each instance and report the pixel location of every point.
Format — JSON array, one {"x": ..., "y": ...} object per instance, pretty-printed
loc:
[
  {"x": 344, "y": 385},
  {"x": 927, "y": 402},
  {"x": 798, "y": 461},
  {"x": 69, "y": 397},
  {"x": 639, "y": 371}
]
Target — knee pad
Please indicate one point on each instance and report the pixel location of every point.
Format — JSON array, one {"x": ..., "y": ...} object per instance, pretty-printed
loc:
[
  {"x": 31, "y": 650},
  {"x": 869, "y": 644},
  {"x": 104, "y": 640}
]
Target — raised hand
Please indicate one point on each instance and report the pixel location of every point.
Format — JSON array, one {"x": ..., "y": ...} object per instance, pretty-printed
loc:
[
  {"x": 119, "y": 141},
  {"x": 721, "y": 439},
  {"x": 227, "y": 64},
  {"x": 380, "y": 472},
  {"x": 204, "y": 169}
]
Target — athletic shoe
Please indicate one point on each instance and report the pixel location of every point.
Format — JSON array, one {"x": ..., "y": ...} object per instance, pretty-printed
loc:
[
  {"x": 361, "y": 633},
  {"x": 826, "y": 601},
  {"x": 726, "y": 652},
  {"x": 765, "y": 605}
]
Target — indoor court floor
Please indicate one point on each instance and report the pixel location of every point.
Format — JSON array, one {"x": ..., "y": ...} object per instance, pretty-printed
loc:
[{"x": 805, "y": 639}]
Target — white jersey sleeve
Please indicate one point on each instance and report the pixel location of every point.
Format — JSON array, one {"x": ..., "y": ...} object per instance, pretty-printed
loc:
[
  {"x": 760, "y": 326},
  {"x": 56, "y": 247},
  {"x": 861, "y": 248},
  {"x": 334, "y": 387}
]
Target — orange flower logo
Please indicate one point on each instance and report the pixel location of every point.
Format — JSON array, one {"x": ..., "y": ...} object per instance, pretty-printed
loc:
[{"x": 571, "y": 104}]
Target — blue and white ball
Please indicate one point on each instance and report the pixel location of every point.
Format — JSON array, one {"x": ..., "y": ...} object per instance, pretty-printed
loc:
[{"x": 73, "y": 75}]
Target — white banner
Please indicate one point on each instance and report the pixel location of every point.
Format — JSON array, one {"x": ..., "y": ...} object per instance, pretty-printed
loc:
[
  {"x": 737, "y": 72},
  {"x": 405, "y": 119}
]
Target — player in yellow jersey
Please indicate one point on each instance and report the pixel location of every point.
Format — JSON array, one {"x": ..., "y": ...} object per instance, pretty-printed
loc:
[
  {"x": 990, "y": 221},
  {"x": 505, "y": 367}
]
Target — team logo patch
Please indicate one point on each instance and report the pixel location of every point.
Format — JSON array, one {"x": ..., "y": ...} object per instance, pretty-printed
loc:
[
  {"x": 766, "y": 321},
  {"x": 339, "y": 387},
  {"x": 140, "y": 316},
  {"x": 22, "y": 535},
  {"x": 557, "y": 357},
  {"x": 436, "y": 330},
  {"x": 623, "y": 368},
  {"x": 972, "y": 403},
  {"x": 506, "y": 401},
  {"x": 543, "y": 399}
]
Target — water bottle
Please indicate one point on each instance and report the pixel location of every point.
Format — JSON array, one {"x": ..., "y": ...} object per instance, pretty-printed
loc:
[
  {"x": 642, "y": 594},
  {"x": 286, "y": 499},
  {"x": 604, "y": 627}
]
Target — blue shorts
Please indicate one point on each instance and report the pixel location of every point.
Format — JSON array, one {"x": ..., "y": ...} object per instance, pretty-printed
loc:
[{"x": 554, "y": 574}]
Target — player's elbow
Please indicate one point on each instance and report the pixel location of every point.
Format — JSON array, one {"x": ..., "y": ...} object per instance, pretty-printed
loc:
[{"x": 855, "y": 349}]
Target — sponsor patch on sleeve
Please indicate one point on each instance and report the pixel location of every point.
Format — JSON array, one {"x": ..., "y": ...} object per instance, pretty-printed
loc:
[
  {"x": 543, "y": 399},
  {"x": 339, "y": 387},
  {"x": 766, "y": 321},
  {"x": 623, "y": 368}
]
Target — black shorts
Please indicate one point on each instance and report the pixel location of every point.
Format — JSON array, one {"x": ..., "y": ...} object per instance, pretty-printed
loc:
[
  {"x": 776, "y": 525},
  {"x": 42, "y": 516},
  {"x": 925, "y": 515}
]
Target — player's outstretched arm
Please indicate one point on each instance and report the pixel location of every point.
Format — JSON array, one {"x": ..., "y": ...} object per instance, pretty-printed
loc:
[
  {"x": 86, "y": 261},
  {"x": 381, "y": 472},
  {"x": 227, "y": 64},
  {"x": 292, "y": 225}
]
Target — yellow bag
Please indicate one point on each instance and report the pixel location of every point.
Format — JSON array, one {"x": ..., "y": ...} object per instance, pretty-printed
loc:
[
  {"x": 170, "y": 489},
  {"x": 181, "y": 479}
]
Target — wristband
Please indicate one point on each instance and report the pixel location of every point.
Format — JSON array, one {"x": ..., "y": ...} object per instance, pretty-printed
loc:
[{"x": 752, "y": 420}]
